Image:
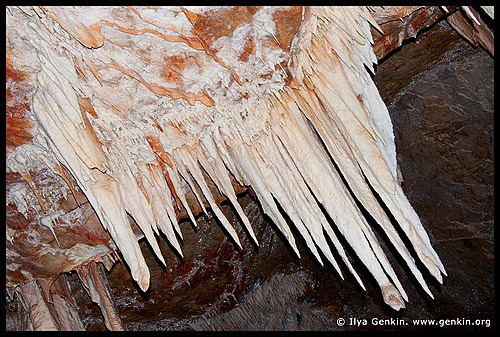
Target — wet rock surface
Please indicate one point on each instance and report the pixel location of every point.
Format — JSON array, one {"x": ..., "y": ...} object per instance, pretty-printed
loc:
[
  {"x": 442, "y": 111},
  {"x": 444, "y": 131}
]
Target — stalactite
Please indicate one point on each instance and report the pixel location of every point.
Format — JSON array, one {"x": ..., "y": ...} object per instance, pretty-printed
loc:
[
  {"x": 44, "y": 315},
  {"x": 39, "y": 314},
  {"x": 95, "y": 283}
]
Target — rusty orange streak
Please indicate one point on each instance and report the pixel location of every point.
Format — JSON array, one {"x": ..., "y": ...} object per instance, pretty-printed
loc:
[
  {"x": 159, "y": 90},
  {"x": 170, "y": 185},
  {"x": 195, "y": 41},
  {"x": 192, "y": 17},
  {"x": 158, "y": 126},
  {"x": 136, "y": 12},
  {"x": 160, "y": 152},
  {"x": 190, "y": 41},
  {"x": 158, "y": 149},
  {"x": 59, "y": 170}
]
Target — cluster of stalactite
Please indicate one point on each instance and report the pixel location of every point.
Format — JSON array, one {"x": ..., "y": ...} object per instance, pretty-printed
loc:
[{"x": 312, "y": 140}]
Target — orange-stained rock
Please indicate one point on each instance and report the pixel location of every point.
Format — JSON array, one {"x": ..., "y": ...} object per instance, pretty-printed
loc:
[
  {"x": 222, "y": 22},
  {"x": 18, "y": 93},
  {"x": 34, "y": 253},
  {"x": 287, "y": 24}
]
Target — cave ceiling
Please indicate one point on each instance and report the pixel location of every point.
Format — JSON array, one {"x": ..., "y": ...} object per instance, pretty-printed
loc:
[{"x": 125, "y": 124}]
